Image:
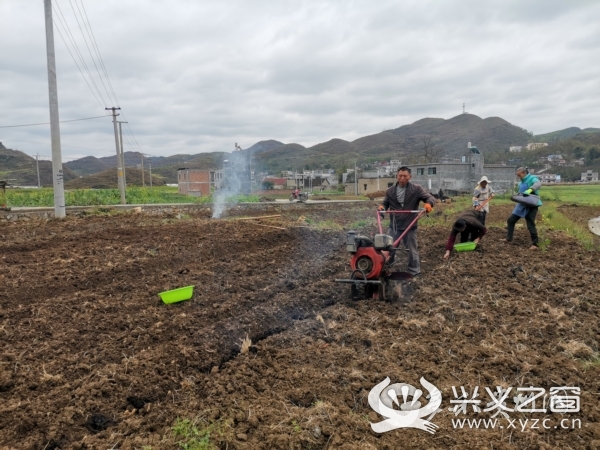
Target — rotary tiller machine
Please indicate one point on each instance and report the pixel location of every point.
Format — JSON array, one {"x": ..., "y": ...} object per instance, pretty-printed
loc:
[{"x": 371, "y": 262}]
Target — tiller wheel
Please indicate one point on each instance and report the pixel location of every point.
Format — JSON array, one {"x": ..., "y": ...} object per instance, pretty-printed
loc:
[{"x": 371, "y": 264}]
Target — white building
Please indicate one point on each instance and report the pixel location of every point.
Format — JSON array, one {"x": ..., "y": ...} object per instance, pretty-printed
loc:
[
  {"x": 549, "y": 177},
  {"x": 589, "y": 176},
  {"x": 534, "y": 145},
  {"x": 515, "y": 149}
]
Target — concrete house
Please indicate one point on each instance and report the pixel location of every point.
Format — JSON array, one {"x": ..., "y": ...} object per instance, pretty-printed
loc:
[
  {"x": 462, "y": 177},
  {"x": 548, "y": 177},
  {"x": 589, "y": 176},
  {"x": 199, "y": 183},
  {"x": 454, "y": 178},
  {"x": 278, "y": 183}
]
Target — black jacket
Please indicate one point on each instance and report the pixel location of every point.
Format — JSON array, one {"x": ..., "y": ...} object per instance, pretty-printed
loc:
[
  {"x": 474, "y": 221},
  {"x": 414, "y": 195}
]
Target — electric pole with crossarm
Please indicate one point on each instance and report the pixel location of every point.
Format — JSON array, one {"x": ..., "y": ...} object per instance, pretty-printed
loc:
[
  {"x": 119, "y": 159},
  {"x": 122, "y": 154}
]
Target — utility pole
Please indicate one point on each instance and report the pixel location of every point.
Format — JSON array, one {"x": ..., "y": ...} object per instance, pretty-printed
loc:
[
  {"x": 355, "y": 179},
  {"x": 37, "y": 164},
  {"x": 143, "y": 183},
  {"x": 122, "y": 154},
  {"x": 150, "y": 170},
  {"x": 119, "y": 164},
  {"x": 57, "y": 170}
]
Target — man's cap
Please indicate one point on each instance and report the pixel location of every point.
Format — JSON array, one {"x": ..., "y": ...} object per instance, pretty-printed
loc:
[{"x": 484, "y": 178}]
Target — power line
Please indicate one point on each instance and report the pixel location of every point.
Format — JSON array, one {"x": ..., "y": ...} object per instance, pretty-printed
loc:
[
  {"x": 133, "y": 136},
  {"x": 79, "y": 68},
  {"x": 97, "y": 49},
  {"x": 62, "y": 145},
  {"x": 69, "y": 34},
  {"x": 129, "y": 142},
  {"x": 48, "y": 123},
  {"x": 89, "y": 25},
  {"x": 88, "y": 47},
  {"x": 63, "y": 22}
]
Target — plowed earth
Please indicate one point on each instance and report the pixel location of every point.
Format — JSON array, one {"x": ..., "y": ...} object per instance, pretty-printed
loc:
[{"x": 92, "y": 359}]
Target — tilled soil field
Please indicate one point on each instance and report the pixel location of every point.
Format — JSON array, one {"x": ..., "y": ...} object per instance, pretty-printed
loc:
[{"x": 270, "y": 352}]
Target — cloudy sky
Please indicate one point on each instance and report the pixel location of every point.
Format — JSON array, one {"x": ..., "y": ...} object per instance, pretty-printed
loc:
[{"x": 196, "y": 76}]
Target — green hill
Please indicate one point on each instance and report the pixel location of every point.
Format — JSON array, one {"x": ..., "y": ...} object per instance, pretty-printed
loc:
[
  {"x": 87, "y": 165},
  {"x": 449, "y": 138},
  {"x": 561, "y": 135},
  {"x": 107, "y": 179},
  {"x": 21, "y": 168}
]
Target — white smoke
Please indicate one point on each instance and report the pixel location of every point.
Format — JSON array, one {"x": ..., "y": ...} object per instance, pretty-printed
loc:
[
  {"x": 235, "y": 182},
  {"x": 219, "y": 202}
]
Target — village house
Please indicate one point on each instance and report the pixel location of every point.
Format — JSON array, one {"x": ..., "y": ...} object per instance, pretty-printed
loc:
[
  {"x": 277, "y": 183},
  {"x": 198, "y": 183},
  {"x": 589, "y": 176},
  {"x": 548, "y": 177},
  {"x": 536, "y": 145},
  {"x": 453, "y": 178}
]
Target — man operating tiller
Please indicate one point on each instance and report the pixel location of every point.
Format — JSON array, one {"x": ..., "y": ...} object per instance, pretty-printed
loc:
[{"x": 405, "y": 195}]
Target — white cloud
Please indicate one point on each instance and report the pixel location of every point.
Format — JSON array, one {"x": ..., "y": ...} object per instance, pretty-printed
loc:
[{"x": 194, "y": 77}]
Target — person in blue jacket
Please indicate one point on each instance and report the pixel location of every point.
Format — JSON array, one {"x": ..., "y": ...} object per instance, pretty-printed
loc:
[{"x": 528, "y": 185}]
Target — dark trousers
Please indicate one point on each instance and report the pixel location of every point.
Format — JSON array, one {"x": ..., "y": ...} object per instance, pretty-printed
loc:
[
  {"x": 530, "y": 219},
  {"x": 483, "y": 216},
  {"x": 410, "y": 242},
  {"x": 469, "y": 235}
]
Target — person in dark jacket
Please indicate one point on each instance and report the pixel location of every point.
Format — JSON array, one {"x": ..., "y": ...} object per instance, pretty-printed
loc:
[
  {"x": 470, "y": 226},
  {"x": 405, "y": 195}
]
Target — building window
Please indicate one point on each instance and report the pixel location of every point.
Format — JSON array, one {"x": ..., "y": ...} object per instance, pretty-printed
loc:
[
  {"x": 431, "y": 170},
  {"x": 365, "y": 186},
  {"x": 390, "y": 185},
  {"x": 473, "y": 165},
  {"x": 421, "y": 171}
]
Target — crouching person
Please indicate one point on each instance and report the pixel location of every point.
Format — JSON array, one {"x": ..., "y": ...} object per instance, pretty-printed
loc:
[{"x": 470, "y": 226}]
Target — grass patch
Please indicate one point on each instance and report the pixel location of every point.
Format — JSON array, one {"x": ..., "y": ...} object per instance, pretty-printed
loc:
[
  {"x": 591, "y": 363},
  {"x": 327, "y": 225},
  {"x": 543, "y": 240},
  {"x": 297, "y": 428},
  {"x": 190, "y": 435},
  {"x": 362, "y": 223},
  {"x": 553, "y": 219}
]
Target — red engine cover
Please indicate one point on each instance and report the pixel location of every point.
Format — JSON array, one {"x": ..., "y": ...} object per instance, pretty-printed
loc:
[{"x": 375, "y": 258}]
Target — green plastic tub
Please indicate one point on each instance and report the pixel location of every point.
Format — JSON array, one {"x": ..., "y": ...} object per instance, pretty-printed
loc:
[
  {"x": 465, "y": 247},
  {"x": 177, "y": 295}
]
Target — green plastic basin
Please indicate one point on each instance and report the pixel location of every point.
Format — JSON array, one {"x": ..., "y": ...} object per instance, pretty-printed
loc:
[
  {"x": 465, "y": 247},
  {"x": 177, "y": 295}
]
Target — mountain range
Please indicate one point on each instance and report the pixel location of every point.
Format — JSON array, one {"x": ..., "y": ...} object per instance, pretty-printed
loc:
[{"x": 425, "y": 138}]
